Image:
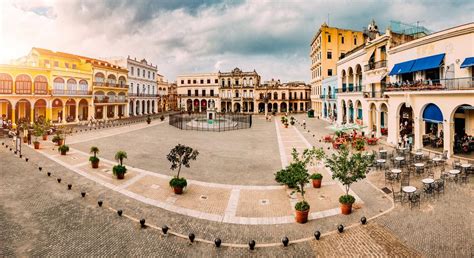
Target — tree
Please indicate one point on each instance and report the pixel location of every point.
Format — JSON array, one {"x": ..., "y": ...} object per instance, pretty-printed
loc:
[
  {"x": 181, "y": 155},
  {"x": 119, "y": 156},
  {"x": 347, "y": 168}
]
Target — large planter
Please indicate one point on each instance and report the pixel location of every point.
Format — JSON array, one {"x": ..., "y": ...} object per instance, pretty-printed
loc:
[
  {"x": 37, "y": 145},
  {"x": 346, "y": 208},
  {"x": 120, "y": 175},
  {"x": 317, "y": 183},
  {"x": 178, "y": 190},
  {"x": 45, "y": 137},
  {"x": 95, "y": 164},
  {"x": 25, "y": 139},
  {"x": 301, "y": 216},
  {"x": 63, "y": 153},
  {"x": 60, "y": 142}
]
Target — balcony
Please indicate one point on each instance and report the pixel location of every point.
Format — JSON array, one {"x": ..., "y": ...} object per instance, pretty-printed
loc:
[
  {"x": 71, "y": 92},
  {"x": 109, "y": 85},
  {"x": 429, "y": 85},
  {"x": 375, "y": 65},
  {"x": 142, "y": 95},
  {"x": 322, "y": 96},
  {"x": 357, "y": 88},
  {"x": 199, "y": 95},
  {"x": 106, "y": 100},
  {"x": 374, "y": 94}
]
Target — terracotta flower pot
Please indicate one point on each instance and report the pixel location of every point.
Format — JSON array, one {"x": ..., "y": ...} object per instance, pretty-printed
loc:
[
  {"x": 317, "y": 183},
  {"x": 25, "y": 139},
  {"x": 178, "y": 190},
  {"x": 45, "y": 137},
  {"x": 120, "y": 176},
  {"x": 60, "y": 142},
  {"x": 63, "y": 153},
  {"x": 302, "y": 216},
  {"x": 346, "y": 208},
  {"x": 95, "y": 164},
  {"x": 37, "y": 145}
]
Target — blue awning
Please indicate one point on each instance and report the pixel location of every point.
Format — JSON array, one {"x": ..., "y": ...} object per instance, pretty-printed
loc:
[
  {"x": 468, "y": 62},
  {"x": 428, "y": 62},
  {"x": 432, "y": 114},
  {"x": 401, "y": 68}
]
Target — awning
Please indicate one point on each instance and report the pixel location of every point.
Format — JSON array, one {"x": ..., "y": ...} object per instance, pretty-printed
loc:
[
  {"x": 432, "y": 114},
  {"x": 467, "y": 107},
  {"x": 402, "y": 68},
  {"x": 468, "y": 62},
  {"x": 428, "y": 62}
]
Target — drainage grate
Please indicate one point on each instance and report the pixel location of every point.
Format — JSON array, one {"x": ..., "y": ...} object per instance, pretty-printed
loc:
[
  {"x": 203, "y": 197},
  {"x": 386, "y": 190},
  {"x": 264, "y": 202}
]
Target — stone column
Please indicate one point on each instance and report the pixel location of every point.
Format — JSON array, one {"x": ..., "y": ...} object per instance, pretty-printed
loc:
[
  {"x": 116, "y": 111},
  {"x": 418, "y": 144},
  {"x": 378, "y": 126},
  {"x": 448, "y": 137},
  {"x": 77, "y": 112},
  {"x": 64, "y": 116}
]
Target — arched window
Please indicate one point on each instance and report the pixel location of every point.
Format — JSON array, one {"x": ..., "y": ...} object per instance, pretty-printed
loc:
[
  {"x": 6, "y": 83},
  {"x": 41, "y": 85},
  {"x": 251, "y": 82},
  {"x": 228, "y": 82},
  {"x": 122, "y": 81},
  {"x": 283, "y": 96},
  {"x": 22, "y": 84},
  {"x": 111, "y": 79},
  {"x": 275, "y": 95},
  {"x": 83, "y": 86},
  {"x": 58, "y": 85},
  {"x": 71, "y": 85},
  {"x": 138, "y": 88}
]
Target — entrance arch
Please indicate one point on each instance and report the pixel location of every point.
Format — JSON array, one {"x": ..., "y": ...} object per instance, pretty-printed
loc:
[
  {"x": 283, "y": 107},
  {"x": 57, "y": 110},
  {"x": 432, "y": 126},
  {"x": 83, "y": 110},
  {"x": 203, "y": 105},
  {"x": 237, "y": 107},
  {"x": 462, "y": 117},
  {"x": 189, "y": 105},
  {"x": 70, "y": 110},
  {"x": 39, "y": 109},
  {"x": 5, "y": 109},
  {"x": 275, "y": 107}
]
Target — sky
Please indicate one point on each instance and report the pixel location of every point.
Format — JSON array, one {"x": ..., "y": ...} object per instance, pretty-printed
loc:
[{"x": 193, "y": 36}]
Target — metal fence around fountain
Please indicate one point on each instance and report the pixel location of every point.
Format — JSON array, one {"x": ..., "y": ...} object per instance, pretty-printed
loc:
[{"x": 222, "y": 121}]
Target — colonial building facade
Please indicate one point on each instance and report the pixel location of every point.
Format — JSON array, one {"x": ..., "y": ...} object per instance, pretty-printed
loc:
[
  {"x": 142, "y": 91},
  {"x": 198, "y": 92},
  {"x": 327, "y": 47},
  {"x": 273, "y": 96},
  {"x": 237, "y": 90}
]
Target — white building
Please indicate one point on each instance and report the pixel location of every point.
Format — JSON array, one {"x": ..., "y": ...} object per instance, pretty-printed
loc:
[
  {"x": 143, "y": 94},
  {"x": 198, "y": 92}
]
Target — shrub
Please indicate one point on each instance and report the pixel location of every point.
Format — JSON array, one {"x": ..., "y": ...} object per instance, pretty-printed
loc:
[
  {"x": 63, "y": 148},
  {"x": 316, "y": 176},
  {"x": 93, "y": 159},
  {"x": 119, "y": 169},
  {"x": 178, "y": 182},
  {"x": 347, "y": 199},
  {"x": 302, "y": 206}
]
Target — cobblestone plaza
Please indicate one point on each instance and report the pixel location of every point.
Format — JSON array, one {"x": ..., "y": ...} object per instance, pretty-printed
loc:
[{"x": 231, "y": 195}]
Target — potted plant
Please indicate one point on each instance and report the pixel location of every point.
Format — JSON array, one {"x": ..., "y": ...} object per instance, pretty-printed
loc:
[
  {"x": 94, "y": 159},
  {"x": 162, "y": 117},
  {"x": 58, "y": 139},
  {"x": 63, "y": 149},
  {"x": 296, "y": 176},
  {"x": 359, "y": 144},
  {"x": 37, "y": 131},
  {"x": 292, "y": 120},
  {"x": 179, "y": 156},
  {"x": 148, "y": 119},
  {"x": 284, "y": 120},
  {"x": 348, "y": 168},
  {"x": 316, "y": 179},
  {"x": 119, "y": 170}
]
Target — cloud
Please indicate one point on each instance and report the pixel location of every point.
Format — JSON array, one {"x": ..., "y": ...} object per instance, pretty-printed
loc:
[{"x": 188, "y": 36}]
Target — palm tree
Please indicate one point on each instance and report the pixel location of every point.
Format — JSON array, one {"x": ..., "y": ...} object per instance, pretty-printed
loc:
[
  {"x": 95, "y": 150},
  {"x": 119, "y": 156}
]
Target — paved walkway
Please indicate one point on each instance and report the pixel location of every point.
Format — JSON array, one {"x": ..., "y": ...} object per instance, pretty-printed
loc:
[{"x": 238, "y": 204}]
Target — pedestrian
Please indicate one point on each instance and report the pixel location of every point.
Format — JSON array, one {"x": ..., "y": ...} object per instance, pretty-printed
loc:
[
  {"x": 29, "y": 137},
  {"x": 304, "y": 124}
]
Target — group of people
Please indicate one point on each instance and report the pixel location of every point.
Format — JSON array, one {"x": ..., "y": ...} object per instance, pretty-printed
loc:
[
  {"x": 463, "y": 143},
  {"x": 411, "y": 83}
]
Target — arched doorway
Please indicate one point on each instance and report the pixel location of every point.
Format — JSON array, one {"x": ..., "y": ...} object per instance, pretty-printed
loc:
[
  {"x": 23, "y": 111},
  {"x": 130, "y": 108},
  {"x": 203, "y": 105},
  {"x": 384, "y": 119},
  {"x": 39, "y": 110},
  {"x": 463, "y": 119},
  {"x": 275, "y": 108},
  {"x": 153, "y": 106},
  {"x": 237, "y": 107},
  {"x": 83, "y": 110},
  {"x": 196, "y": 105},
  {"x": 57, "y": 111},
  {"x": 5, "y": 109},
  {"x": 137, "y": 107},
  {"x": 189, "y": 105},
  {"x": 70, "y": 110},
  {"x": 373, "y": 117},
  {"x": 143, "y": 107},
  {"x": 269, "y": 107},
  {"x": 148, "y": 107},
  {"x": 406, "y": 121},
  {"x": 283, "y": 107},
  {"x": 359, "y": 116},
  {"x": 334, "y": 111},
  {"x": 325, "y": 110},
  {"x": 351, "y": 111},
  {"x": 344, "y": 112},
  {"x": 433, "y": 127}
]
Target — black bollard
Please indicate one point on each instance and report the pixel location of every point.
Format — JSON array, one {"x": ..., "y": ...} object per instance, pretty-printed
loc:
[
  {"x": 317, "y": 235},
  {"x": 285, "y": 241},
  {"x": 69, "y": 186},
  {"x": 83, "y": 194},
  {"x": 59, "y": 180},
  {"x": 164, "y": 229},
  {"x": 252, "y": 244},
  {"x": 119, "y": 212},
  {"x": 48, "y": 173},
  {"x": 363, "y": 220},
  {"x": 142, "y": 223},
  {"x": 100, "y": 202},
  {"x": 217, "y": 242},
  {"x": 340, "y": 228},
  {"x": 191, "y": 237}
]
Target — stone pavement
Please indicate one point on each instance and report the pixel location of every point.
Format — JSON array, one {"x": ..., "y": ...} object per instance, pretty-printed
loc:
[
  {"x": 238, "y": 204},
  {"x": 38, "y": 216}
]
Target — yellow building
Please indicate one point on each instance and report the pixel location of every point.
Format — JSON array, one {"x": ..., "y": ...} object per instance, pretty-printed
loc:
[
  {"x": 60, "y": 87},
  {"x": 47, "y": 84},
  {"x": 327, "y": 47}
]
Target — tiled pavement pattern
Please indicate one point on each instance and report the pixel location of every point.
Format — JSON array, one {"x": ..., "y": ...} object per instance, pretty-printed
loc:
[
  {"x": 240, "y": 204},
  {"x": 32, "y": 193}
]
